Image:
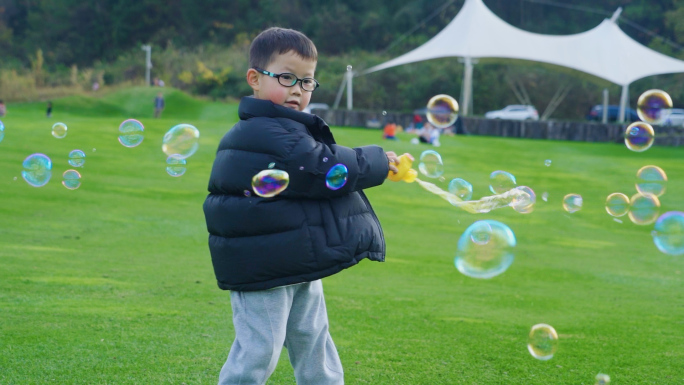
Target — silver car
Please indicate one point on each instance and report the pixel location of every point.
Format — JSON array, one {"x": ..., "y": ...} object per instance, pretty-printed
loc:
[
  {"x": 675, "y": 117},
  {"x": 514, "y": 112}
]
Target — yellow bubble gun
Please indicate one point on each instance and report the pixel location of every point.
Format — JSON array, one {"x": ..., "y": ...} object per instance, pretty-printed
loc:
[{"x": 405, "y": 173}]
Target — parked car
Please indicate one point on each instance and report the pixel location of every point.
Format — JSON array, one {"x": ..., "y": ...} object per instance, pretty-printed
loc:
[
  {"x": 675, "y": 117},
  {"x": 514, "y": 112},
  {"x": 596, "y": 113},
  {"x": 315, "y": 106}
]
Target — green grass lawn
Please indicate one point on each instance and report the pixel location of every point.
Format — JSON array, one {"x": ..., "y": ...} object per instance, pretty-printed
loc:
[{"x": 112, "y": 283}]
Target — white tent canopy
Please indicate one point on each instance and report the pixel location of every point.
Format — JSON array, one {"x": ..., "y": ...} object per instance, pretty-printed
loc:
[{"x": 604, "y": 51}]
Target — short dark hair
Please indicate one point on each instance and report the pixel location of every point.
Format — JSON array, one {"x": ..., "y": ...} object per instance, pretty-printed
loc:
[{"x": 278, "y": 41}]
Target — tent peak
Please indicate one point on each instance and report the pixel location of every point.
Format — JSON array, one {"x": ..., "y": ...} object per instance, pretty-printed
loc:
[{"x": 616, "y": 15}]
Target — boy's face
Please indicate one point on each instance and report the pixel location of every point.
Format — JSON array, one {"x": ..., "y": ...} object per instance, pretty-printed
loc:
[{"x": 268, "y": 88}]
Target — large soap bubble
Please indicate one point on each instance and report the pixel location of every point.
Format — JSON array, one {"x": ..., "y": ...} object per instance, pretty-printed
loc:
[
  {"x": 617, "y": 204},
  {"x": 644, "y": 209},
  {"x": 72, "y": 179},
  {"x": 654, "y": 106},
  {"x": 77, "y": 158},
  {"x": 524, "y": 204},
  {"x": 175, "y": 166},
  {"x": 542, "y": 342},
  {"x": 181, "y": 141},
  {"x": 131, "y": 132},
  {"x": 668, "y": 234},
  {"x": 442, "y": 111},
  {"x": 336, "y": 177},
  {"x": 651, "y": 180},
  {"x": 485, "y": 249},
  {"x": 501, "y": 181},
  {"x": 271, "y": 182},
  {"x": 431, "y": 164},
  {"x": 59, "y": 130},
  {"x": 461, "y": 188},
  {"x": 37, "y": 170},
  {"x": 639, "y": 136}
]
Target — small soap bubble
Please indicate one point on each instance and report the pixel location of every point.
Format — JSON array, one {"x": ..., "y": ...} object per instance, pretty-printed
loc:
[
  {"x": 643, "y": 209},
  {"x": 602, "y": 379},
  {"x": 247, "y": 193},
  {"x": 94, "y": 149},
  {"x": 461, "y": 188},
  {"x": 271, "y": 165},
  {"x": 37, "y": 170},
  {"x": 485, "y": 249},
  {"x": 71, "y": 179},
  {"x": 269, "y": 183},
  {"x": 59, "y": 130},
  {"x": 617, "y": 204},
  {"x": 639, "y": 136},
  {"x": 2, "y": 131},
  {"x": 301, "y": 168},
  {"x": 545, "y": 196},
  {"x": 131, "y": 133},
  {"x": 77, "y": 158},
  {"x": 572, "y": 203},
  {"x": 175, "y": 166},
  {"x": 431, "y": 164},
  {"x": 325, "y": 159},
  {"x": 654, "y": 106},
  {"x": 547, "y": 163},
  {"x": 349, "y": 68},
  {"x": 524, "y": 204},
  {"x": 668, "y": 234},
  {"x": 501, "y": 181},
  {"x": 442, "y": 111},
  {"x": 651, "y": 180},
  {"x": 542, "y": 342},
  {"x": 384, "y": 113},
  {"x": 181, "y": 140},
  {"x": 15, "y": 178},
  {"x": 336, "y": 177}
]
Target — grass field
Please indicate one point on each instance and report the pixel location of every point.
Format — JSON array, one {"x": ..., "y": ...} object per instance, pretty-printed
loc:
[{"x": 112, "y": 283}]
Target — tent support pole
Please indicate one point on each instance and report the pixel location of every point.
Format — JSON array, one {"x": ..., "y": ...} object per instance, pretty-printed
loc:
[
  {"x": 350, "y": 95},
  {"x": 467, "y": 87},
  {"x": 624, "y": 98}
]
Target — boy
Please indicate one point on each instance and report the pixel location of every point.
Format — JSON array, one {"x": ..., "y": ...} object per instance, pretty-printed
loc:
[{"x": 272, "y": 252}]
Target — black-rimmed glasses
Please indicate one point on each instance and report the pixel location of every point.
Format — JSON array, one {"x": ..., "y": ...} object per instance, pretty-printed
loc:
[{"x": 287, "y": 79}]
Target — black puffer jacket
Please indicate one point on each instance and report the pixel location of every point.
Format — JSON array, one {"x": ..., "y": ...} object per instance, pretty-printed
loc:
[{"x": 306, "y": 232}]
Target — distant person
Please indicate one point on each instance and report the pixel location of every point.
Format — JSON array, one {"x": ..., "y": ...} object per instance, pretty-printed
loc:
[
  {"x": 417, "y": 122},
  {"x": 96, "y": 86},
  {"x": 390, "y": 131},
  {"x": 155, "y": 82},
  {"x": 3, "y": 108},
  {"x": 48, "y": 112},
  {"x": 273, "y": 252},
  {"x": 161, "y": 83},
  {"x": 158, "y": 105}
]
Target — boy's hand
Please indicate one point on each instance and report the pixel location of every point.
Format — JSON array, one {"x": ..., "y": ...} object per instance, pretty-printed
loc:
[{"x": 393, "y": 159}]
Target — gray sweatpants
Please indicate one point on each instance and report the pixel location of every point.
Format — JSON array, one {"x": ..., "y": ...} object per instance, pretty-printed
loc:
[{"x": 292, "y": 316}]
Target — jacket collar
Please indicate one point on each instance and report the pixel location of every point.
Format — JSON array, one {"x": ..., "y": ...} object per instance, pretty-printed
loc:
[{"x": 251, "y": 107}]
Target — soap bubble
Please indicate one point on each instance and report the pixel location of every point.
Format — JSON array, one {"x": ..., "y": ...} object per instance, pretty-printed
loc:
[
  {"x": 651, "y": 180},
  {"x": 639, "y": 136},
  {"x": 2, "y": 131},
  {"x": 431, "y": 164},
  {"x": 461, "y": 188},
  {"x": 181, "y": 140},
  {"x": 336, "y": 177},
  {"x": 131, "y": 133},
  {"x": 349, "y": 68},
  {"x": 175, "y": 166},
  {"x": 547, "y": 163},
  {"x": 501, "y": 181},
  {"x": 37, "y": 170},
  {"x": 654, "y": 106},
  {"x": 644, "y": 208},
  {"x": 617, "y": 204},
  {"x": 524, "y": 204},
  {"x": 572, "y": 203},
  {"x": 59, "y": 130},
  {"x": 271, "y": 165},
  {"x": 77, "y": 158},
  {"x": 542, "y": 342},
  {"x": 271, "y": 182},
  {"x": 72, "y": 179},
  {"x": 602, "y": 379},
  {"x": 545, "y": 196},
  {"x": 442, "y": 111},
  {"x": 485, "y": 249},
  {"x": 668, "y": 235}
]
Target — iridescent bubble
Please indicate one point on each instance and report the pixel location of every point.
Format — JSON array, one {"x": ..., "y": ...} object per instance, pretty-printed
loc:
[
  {"x": 349, "y": 68},
  {"x": 547, "y": 163},
  {"x": 442, "y": 111},
  {"x": 269, "y": 183},
  {"x": 59, "y": 130},
  {"x": 651, "y": 180},
  {"x": 72, "y": 179},
  {"x": 131, "y": 132},
  {"x": 542, "y": 342},
  {"x": 2, "y": 131},
  {"x": 77, "y": 158},
  {"x": 271, "y": 165},
  {"x": 384, "y": 113},
  {"x": 37, "y": 170},
  {"x": 461, "y": 188},
  {"x": 336, "y": 177},
  {"x": 525, "y": 203},
  {"x": 247, "y": 193},
  {"x": 545, "y": 196},
  {"x": 654, "y": 106},
  {"x": 644, "y": 209},
  {"x": 431, "y": 164},
  {"x": 668, "y": 235},
  {"x": 501, "y": 181},
  {"x": 617, "y": 204},
  {"x": 572, "y": 203},
  {"x": 479, "y": 259},
  {"x": 175, "y": 166},
  {"x": 602, "y": 379},
  {"x": 639, "y": 136},
  {"x": 181, "y": 140}
]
